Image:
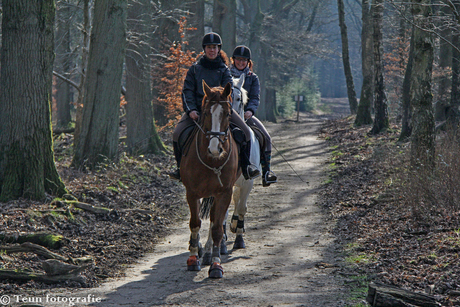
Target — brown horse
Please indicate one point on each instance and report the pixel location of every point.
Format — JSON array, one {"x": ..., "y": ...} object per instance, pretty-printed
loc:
[{"x": 210, "y": 169}]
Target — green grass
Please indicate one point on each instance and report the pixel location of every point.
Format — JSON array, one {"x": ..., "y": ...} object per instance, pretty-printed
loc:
[
  {"x": 113, "y": 189},
  {"x": 358, "y": 258}
]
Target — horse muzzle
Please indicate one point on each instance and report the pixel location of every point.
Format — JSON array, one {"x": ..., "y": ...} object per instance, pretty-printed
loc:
[{"x": 215, "y": 143}]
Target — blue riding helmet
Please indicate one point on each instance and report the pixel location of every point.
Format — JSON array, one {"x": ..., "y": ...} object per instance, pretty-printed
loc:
[
  {"x": 212, "y": 38},
  {"x": 242, "y": 52}
]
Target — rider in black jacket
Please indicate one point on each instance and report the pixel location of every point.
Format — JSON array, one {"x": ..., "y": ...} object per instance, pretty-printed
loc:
[{"x": 212, "y": 68}]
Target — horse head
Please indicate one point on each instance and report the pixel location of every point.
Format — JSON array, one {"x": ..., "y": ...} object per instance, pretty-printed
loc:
[
  {"x": 239, "y": 95},
  {"x": 216, "y": 110}
]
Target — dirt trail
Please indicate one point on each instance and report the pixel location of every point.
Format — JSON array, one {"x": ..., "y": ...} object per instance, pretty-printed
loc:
[{"x": 289, "y": 258}]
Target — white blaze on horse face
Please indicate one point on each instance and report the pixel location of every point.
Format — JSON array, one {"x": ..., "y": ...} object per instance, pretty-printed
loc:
[{"x": 216, "y": 115}]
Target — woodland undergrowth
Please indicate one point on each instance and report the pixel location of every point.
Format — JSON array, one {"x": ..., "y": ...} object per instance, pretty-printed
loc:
[
  {"x": 143, "y": 203},
  {"x": 397, "y": 225}
]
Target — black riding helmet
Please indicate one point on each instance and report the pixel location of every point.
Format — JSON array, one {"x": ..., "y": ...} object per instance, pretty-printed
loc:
[
  {"x": 242, "y": 52},
  {"x": 212, "y": 38}
]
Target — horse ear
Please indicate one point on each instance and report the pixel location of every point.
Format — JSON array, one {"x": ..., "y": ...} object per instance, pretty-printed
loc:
[
  {"x": 206, "y": 89},
  {"x": 227, "y": 90}
]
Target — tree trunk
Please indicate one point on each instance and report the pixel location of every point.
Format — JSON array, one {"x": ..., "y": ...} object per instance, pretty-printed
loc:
[
  {"x": 27, "y": 166},
  {"x": 445, "y": 61},
  {"x": 142, "y": 136},
  {"x": 63, "y": 63},
  {"x": 406, "y": 127},
  {"x": 98, "y": 138},
  {"x": 363, "y": 116},
  {"x": 422, "y": 141},
  {"x": 224, "y": 23},
  {"x": 27, "y": 276},
  {"x": 451, "y": 111},
  {"x": 263, "y": 71},
  {"x": 197, "y": 21},
  {"x": 391, "y": 296},
  {"x": 346, "y": 59},
  {"x": 166, "y": 32},
  {"x": 260, "y": 55},
  {"x": 270, "y": 103},
  {"x": 381, "y": 120},
  {"x": 254, "y": 18},
  {"x": 45, "y": 239},
  {"x": 87, "y": 25}
]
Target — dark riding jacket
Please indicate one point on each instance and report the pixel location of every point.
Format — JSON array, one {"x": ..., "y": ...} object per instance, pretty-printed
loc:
[
  {"x": 251, "y": 85},
  {"x": 214, "y": 72}
]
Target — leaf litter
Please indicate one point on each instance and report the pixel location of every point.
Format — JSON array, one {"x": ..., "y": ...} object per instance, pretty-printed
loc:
[{"x": 381, "y": 236}]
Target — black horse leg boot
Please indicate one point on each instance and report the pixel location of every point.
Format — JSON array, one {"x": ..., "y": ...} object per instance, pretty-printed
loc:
[
  {"x": 268, "y": 176},
  {"x": 249, "y": 171},
  {"x": 178, "y": 155}
]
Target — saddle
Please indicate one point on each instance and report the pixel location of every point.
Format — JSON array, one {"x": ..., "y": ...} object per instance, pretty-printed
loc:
[
  {"x": 186, "y": 138},
  {"x": 259, "y": 136}
]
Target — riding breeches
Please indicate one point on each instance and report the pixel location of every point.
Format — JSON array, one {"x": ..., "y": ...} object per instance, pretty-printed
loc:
[
  {"x": 235, "y": 119},
  {"x": 253, "y": 121}
]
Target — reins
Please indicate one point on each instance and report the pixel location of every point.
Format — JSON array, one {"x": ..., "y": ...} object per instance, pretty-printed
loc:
[{"x": 287, "y": 162}]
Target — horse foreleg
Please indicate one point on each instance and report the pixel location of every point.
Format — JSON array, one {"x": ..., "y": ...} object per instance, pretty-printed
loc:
[
  {"x": 218, "y": 213},
  {"x": 236, "y": 201},
  {"x": 207, "y": 257},
  {"x": 223, "y": 243},
  {"x": 216, "y": 270},
  {"x": 207, "y": 253},
  {"x": 193, "y": 262},
  {"x": 240, "y": 198}
]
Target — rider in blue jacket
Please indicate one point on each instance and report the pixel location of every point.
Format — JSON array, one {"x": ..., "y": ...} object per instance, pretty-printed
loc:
[
  {"x": 242, "y": 64},
  {"x": 212, "y": 68}
]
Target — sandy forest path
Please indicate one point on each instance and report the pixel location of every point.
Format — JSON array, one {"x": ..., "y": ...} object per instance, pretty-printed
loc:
[{"x": 289, "y": 258}]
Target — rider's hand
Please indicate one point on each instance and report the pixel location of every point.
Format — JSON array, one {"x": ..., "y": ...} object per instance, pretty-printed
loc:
[
  {"x": 194, "y": 115},
  {"x": 247, "y": 115}
]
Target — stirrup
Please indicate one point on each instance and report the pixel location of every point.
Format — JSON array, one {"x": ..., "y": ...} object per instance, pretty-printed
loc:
[
  {"x": 251, "y": 172},
  {"x": 269, "y": 178},
  {"x": 175, "y": 175}
]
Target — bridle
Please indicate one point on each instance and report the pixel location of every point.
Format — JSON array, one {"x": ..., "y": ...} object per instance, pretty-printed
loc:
[{"x": 215, "y": 134}]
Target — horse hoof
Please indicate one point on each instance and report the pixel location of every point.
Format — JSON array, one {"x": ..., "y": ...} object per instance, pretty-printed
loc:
[
  {"x": 216, "y": 271},
  {"x": 207, "y": 258},
  {"x": 223, "y": 248},
  {"x": 239, "y": 243},
  {"x": 193, "y": 264}
]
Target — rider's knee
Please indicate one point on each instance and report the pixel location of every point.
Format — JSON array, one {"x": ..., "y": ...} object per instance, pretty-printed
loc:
[{"x": 239, "y": 135}]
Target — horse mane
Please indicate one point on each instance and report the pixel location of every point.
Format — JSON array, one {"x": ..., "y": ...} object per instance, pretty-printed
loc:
[{"x": 244, "y": 93}]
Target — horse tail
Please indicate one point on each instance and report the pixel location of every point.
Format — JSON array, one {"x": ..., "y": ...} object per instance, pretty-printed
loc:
[{"x": 205, "y": 207}]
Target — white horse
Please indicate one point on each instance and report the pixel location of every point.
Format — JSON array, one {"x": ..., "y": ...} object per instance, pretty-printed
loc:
[{"x": 242, "y": 186}]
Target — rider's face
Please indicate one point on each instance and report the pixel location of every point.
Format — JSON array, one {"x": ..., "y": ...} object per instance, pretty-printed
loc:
[
  {"x": 211, "y": 51},
  {"x": 241, "y": 63}
]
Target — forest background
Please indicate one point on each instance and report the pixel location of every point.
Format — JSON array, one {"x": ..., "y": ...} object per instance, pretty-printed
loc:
[{"x": 82, "y": 67}]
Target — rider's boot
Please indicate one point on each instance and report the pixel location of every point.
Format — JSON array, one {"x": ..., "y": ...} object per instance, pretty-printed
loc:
[
  {"x": 178, "y": 155},
  {"x": 268, "y": 176},
  {"x": 249, "y": 171}
]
